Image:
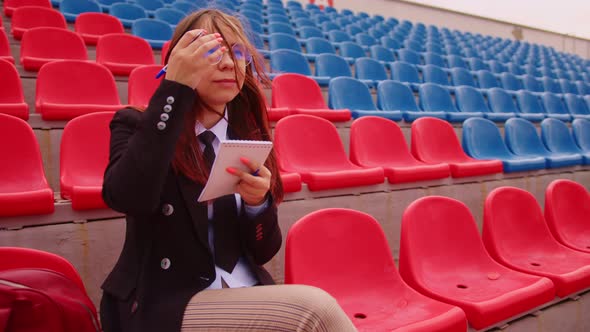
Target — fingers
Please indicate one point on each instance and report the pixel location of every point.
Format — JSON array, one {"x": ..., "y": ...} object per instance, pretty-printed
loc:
[
  {"x": 206, "y": 42},
  {"x": 261, "y": 180},
  {"x": 189, "y": 37}
]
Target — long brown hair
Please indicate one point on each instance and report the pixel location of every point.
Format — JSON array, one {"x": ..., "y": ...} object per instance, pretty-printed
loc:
[{"x": 247, "y": 111}]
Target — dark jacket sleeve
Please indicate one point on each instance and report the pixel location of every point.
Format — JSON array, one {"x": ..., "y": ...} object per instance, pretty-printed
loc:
[
  {"x": 142, "y": 148},
  {"x": 261, "y": 234}
]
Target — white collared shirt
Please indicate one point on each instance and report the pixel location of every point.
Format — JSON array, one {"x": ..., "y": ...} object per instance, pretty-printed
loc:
[{"x": 242, "y": 275}]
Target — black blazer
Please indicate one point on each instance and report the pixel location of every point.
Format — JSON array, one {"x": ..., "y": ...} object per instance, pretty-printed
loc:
[{"x": 166, "y": 257}]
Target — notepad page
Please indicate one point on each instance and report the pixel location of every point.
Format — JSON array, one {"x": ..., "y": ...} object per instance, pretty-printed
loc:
[{"x": 221, "y": 182}]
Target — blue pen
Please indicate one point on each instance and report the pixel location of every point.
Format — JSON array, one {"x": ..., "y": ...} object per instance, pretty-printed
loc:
[
  {"x": 163, "y": 70},
  {"x": 255, "y": 173}
]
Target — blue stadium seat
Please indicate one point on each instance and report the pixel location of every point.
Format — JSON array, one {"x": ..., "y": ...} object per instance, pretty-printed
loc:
[
  {"x": 434, "y": 48},
  {"x": 390, "y": 43},
  {"x": 352, "y": 94},
  {"x": 462, "y": 76},
  {"x": 155, "y": 32},
  {"x": 567, "y": 86},
  {"x": 514, "y": 68},
  {"x": 487, "y": 80},
  {"x": 188, "y": 7},
  {"x": 551, "y": 85},
  {"x": 547, "y": 71},
  {"x": 511, "y": 82},
  {"x": 369, "y": 71},
  {"x": 455, "y": 61},
  {"x": 576, "y": 106},
  {"x": 105, "y": 5},
  {"x": 477, "y": 64},
  {"x": 522, "y": 139},
  {"x": 309, "y": 32},
  {"x": 251, "y": 15},
  {"x": 581, "y": 133},
  {"x": 316, "y": 46},
  {"x": 305, "y": 22},
  {"x": 406, "y": 73},
  {"x": 497, "y": 67},
  {"x": 408, "y": 56},
  {"x": 435, "y": 74},
  {"x": 382, "y": 54},
  {"x": 470, "y": 100},
  {"x": 435, "y": 98},
  {"x": 582, "y": 88},
  {"x": 532, "y": 70},
  {"x": 392, "y": 95},
  {"x": 72, "y": 8},
  {"x": 557, "y": 138},
  {"x": 280, "y": 27},
  {"x": 281, "y": 40},
  {"x": 555, "y": 107},
  {"x": 351, "y": 51},
  {"x": 431, "y": 58},
  {"x": 530, "y": 106},
  {"x": 481, "y": 139},
  {"x": 532, "y": 84},
  {"x": 289, "y": 61},
  {"x": 170, "y": 15},
  {"x": 331, "y": 65},
  {"x": 353, "y": 30},
  {"x": 127, "y": 13},
  {"x": 337, "y": 37},
  {"x": 365, "y": 40},
  {"x": 150, "y": 6}
]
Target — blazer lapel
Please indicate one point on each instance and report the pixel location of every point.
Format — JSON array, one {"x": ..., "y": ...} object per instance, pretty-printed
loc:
[{"x": 198, "y": 210}]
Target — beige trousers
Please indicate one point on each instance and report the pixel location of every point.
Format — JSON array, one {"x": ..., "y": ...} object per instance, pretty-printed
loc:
[{"x": 265, "y": 308}]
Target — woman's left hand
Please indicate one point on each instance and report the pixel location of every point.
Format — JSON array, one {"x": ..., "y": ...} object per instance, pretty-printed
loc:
[{"x": 252, "y": 188}]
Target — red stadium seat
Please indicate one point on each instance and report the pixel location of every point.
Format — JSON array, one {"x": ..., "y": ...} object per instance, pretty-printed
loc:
[
  {"x": 16, "y": 258},
  {"x": 91, "y": 26},
  {"x": 379, "y": 142},
  {"x": 515, "y": 234},
  {"x": 567, "y": 207},
  {"x": 291, "y": 182},
  {"x": 164, "y": 51},
  {"x": 443, "y": 257},
  {"x": 302, "y": 95},
  {"x": 81, "y": 173},
  {"x": 66, "y": 89},
  {"x": 310, "y": 146},
  {"x": 11, "y": 5},
  {"x": 121, "y": 53},
  {"x": 46, "y": 44},
  {"x": 23, "y": 189},
  {"x": 142, "y": 83},
  {"x": 12, "y": 101},
  {"x": 345, "y": 253},
  {"x": 434, "y": 141},
  {"x": 5, "y": 53},
  {"x": 27, "y": 17}
]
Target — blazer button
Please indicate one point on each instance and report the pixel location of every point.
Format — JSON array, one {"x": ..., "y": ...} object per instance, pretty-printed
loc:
[
  {"x": 161, "y": 125},
  {"x": 167, "y": 209},
  {"x": 167, "y": 108},
  {"x": 165, "y": 263},
  {"x": 170, "y": 100},
  {"x": 164, "y": 117},
  {"x": 134, "y": 307}
]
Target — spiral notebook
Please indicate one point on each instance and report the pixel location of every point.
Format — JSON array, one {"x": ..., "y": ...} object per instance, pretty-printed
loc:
[{"x": 220, "y": 181}]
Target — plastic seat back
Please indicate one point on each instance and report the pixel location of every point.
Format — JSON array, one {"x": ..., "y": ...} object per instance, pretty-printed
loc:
[
  {"x": 72, "y": 8},
  {"x": 404, "y": 72},
  {"x": 12, "y": 99},
  {"x": 28, "y": 17},
  {"x": 529, "y": 103},
  {"x": 461, "y": 76},
  {"x": 532, "y": 84},
  {"x": 170, "y": 15},
  {"x": 456, "y": 61},
  {"x": 318, "y": 244},
  {"x": 522, "y": 138},
  {"x": 514, "y": 68},
  {"x": 581, "y": 133},
  {"x": 395, "y": 96},
  {"x": 154, "y": 31},
  {"x": 369, "y": 69},
  {"x": 557, "y": 137},
  {"x": 52, "y": 44},
  {"x": 349, "y": 93},
  {"x": 150, "y": 5},
  {"x": 435, "y": 98},
  {"x": 390, "y": 43},
  {"x": 487, "y": 80},
  {"x": 500, "y": 101},
  {"x": 381, "y": 53},
  {"x": 477, "y": 64},
  {"x": 332, "y": 65},
  {"x": 435, "y": 74},
  {"x": 281, "y": 40},
  {"x": 122, "y": 48},
  {"x": 127, "y": 12},
  {"x": 364, "y": 39},
  {"x": 567, "y": 207},
  {"x": 551, "y": 85},
  {"x": 553, "y": 104},
  {"x": 59, "y": 83},
  {"x": 434, "y": 141},
  {"x": 567, "y": 86},
  {"x": 93, "y": 25},
  {"x": 310, "y": 143},
  {"x": 281, "y": 27},
  {"x": 409, "y": 56},
  {"x": 17, "y": 257},
  {"x": 297, "y": 91},
  {"x": 289, "y": 61},
  {"x": 89, "y": 132},
  {"x": 336, "y": 36},
  {"x": 309, "y": 32},
  {"x": 510, "y": 82},
  {"x": 11, "y": 5},
  {"x": 316, "y": 45},
  {"x": 351, "y": 50},
  {"x": 497, "y": 67},
  {"x": 434, "y": 59},
  {"x": 142, "y": 84},
  {"x": 483, "y": 140},
  {"x": 188, "y": 7},
  {"x": 470, "y": 100}
]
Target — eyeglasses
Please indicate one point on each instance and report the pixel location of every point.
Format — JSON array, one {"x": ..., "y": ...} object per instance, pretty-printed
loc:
[{"x": 240, "y": 54}]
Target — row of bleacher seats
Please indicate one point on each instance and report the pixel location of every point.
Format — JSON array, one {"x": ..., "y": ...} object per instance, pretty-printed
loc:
[
  {"x": 309, "y": 150},
  {"x": 521, "y": 262},
  {"x": 479, "y": 282}
]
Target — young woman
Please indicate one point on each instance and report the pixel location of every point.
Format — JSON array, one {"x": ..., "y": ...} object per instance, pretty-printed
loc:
[{"x": 179, "y": 253}]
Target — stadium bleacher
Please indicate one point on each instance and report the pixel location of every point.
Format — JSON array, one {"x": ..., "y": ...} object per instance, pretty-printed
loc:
[{"x": 393, "y": 111}]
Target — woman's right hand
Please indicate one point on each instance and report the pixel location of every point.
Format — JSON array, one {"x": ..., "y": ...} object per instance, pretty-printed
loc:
[{"x": 189, "y": 62}]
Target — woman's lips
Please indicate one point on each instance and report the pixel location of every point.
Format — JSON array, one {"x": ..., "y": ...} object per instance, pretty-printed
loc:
[{"x": 228, "y": 82}]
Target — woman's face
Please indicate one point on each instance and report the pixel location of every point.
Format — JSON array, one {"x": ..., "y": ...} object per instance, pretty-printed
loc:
[{"x": 225, "y": 81}]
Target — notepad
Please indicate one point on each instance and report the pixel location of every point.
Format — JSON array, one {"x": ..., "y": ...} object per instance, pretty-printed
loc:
[{"x": 230, "y": 151}]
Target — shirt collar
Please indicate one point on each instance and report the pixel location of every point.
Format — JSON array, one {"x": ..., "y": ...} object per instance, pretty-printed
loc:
[{"x": 219, "y": 129}]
